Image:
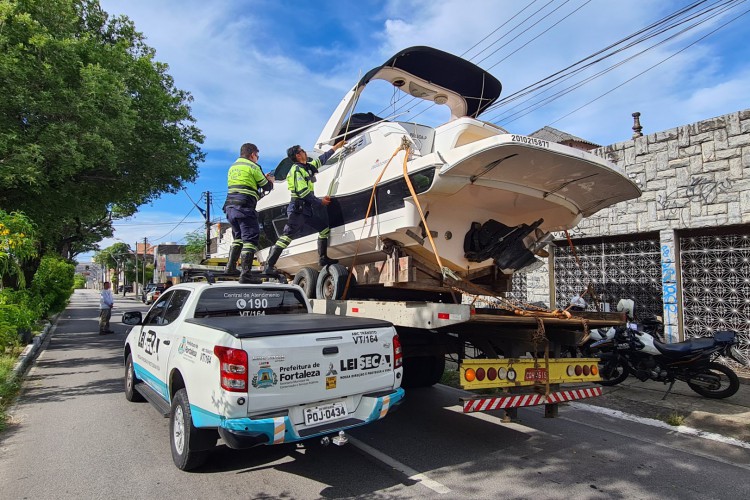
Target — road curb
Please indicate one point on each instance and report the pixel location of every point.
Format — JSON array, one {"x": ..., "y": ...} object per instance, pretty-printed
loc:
[{"x": 29, "y": 353}]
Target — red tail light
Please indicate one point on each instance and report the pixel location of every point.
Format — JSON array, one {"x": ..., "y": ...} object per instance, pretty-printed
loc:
[
  {"x": 398, "y": 358},
  {"x": 232, "y": 368}
]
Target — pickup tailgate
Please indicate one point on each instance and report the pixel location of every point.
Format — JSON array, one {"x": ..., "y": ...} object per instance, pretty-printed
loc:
[{"x": 308, "y": 359}]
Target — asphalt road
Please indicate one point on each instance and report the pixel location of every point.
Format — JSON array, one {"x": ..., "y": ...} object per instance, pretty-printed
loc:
[{"x": 74, "y": 435}]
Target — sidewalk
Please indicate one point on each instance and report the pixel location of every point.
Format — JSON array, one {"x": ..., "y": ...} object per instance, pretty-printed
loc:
[{"x": 729, "y": 417}]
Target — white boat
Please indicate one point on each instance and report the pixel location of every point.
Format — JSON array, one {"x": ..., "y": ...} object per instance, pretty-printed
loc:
[{"x": 491, "y": 198}]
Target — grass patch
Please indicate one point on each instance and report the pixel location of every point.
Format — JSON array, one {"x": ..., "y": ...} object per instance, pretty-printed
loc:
[
  {"x": 675, "y": 419},
  {"x": 8, "y": 386}
]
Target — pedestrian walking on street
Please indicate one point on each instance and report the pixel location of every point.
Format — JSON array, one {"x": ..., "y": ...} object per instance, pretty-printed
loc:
[
  {"x": 106, "y": 302},
  {"x": 246, "y": 184}
]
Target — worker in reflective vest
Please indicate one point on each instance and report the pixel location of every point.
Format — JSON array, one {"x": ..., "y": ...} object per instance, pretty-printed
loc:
[
  {"x": 246, "y": 184},
  {"x": 301, "y": 183}
]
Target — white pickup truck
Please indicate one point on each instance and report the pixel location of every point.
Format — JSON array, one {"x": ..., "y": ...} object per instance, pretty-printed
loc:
[{"x": 253, "y": 363}]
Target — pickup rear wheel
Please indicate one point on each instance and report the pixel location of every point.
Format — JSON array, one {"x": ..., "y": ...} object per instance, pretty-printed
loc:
[
  {"x": 184, "y": 436},
  {"x": 131, "y": 394},
  {"x": 332, "y": 281},
  {"x": 307, "y": 279}
]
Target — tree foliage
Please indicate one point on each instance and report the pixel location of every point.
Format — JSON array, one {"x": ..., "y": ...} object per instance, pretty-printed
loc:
[
  {"x": 118, "y": 256},
  {"x": 91, "y": 125},
  {"x": 53, "y": 284},
  {"x": 195, "y": 247},
  {"x": 17, "y": 245}
]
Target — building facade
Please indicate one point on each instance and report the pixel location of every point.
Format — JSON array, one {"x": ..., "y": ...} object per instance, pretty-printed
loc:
[{"x": 681, "y": 250}]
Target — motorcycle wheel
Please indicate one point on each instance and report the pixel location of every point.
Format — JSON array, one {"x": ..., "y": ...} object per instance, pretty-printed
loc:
[
  {"x": 613, "y": 371},
  {"x": 721, "y": 380}
]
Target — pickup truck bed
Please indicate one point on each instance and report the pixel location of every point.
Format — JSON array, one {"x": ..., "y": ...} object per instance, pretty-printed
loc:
[{"x": 290, "y": 324}]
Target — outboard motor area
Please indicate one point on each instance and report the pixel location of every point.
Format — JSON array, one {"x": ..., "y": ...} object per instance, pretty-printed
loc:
[{"x": 504, "y": 244}]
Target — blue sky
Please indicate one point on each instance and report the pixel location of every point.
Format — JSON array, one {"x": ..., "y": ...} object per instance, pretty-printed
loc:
[{"x": 271, "y": 72}]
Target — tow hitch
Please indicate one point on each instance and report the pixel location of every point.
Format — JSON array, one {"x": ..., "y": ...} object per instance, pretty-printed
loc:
[{"x": 339, "y": 440}]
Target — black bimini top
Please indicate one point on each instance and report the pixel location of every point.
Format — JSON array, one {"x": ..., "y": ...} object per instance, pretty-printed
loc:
[
  {"x": 478, "y": 87},
  {"x": 285, "y": 324}
]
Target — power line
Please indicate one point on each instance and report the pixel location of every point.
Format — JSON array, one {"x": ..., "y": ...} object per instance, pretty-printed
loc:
[
  {"x": 511, "y": 31},
  {"x": 578, "y": 66},
  {"x": 175, "y": 227},
  {"x": 126, "y": 224},
  {"x": 652, "y": 67},
  {"x": 662, "y": 26},
  {"x": 542, "y": 33}
]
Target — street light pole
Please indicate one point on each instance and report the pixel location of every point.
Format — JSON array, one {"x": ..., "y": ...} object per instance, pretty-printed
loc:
[
  {"x": 135, "y": 285},
  {"x": 208, "y": 224},
  {"x": 145, "y": 252}
]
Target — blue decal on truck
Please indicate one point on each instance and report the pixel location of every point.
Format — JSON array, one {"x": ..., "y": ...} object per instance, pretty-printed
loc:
[{"x": 142, "y": 374}]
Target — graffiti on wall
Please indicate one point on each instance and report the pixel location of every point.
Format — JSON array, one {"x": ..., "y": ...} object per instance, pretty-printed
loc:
[
  {"x": 705, "y": 190},
  {"x": 699, "y": 190}
]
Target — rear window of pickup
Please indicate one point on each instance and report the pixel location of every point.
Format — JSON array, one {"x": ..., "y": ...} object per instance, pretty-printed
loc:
[{"x": 244, "y": 301}]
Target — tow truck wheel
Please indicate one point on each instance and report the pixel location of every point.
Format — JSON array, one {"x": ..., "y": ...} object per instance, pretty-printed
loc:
[
  {"x": 332, "y": 281},
  {"x": 183, "y": 435},
  {"x": 131, "y": 394},
  {"x": 307, "y": 279}
]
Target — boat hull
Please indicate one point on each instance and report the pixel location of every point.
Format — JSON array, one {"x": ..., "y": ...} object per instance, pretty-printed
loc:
[{"x": 529, "y": 187}]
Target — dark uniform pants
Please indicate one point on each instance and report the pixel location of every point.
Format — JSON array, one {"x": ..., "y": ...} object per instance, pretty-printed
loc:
[
  {"x": 315, "y": 218},
  {"x": 244, "y": 222}
]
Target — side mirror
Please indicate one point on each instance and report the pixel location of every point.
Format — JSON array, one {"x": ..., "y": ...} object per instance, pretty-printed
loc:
[{"x": 132, "y": 318}]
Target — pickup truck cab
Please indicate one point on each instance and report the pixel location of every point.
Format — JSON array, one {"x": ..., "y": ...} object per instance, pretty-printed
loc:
[{"x": 251, "y": 364}]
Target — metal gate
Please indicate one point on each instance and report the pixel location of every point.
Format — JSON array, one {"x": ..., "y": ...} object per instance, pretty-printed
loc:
[
  {"x": 614, "y": 269},
  {"x": 715, "y": 272}
]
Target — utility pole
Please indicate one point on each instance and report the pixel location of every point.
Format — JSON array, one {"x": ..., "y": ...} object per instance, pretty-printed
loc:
[
  {"x": 145, "y": 252},
  {"x": 135, "y": 286},
  {"x": 208, "y": 224}
]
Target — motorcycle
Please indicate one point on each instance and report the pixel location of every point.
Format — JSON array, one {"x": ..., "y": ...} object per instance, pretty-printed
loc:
[{"x": 630, "y": 351}]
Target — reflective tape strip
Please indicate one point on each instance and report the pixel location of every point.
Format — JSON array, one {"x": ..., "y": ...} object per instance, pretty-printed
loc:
[
  {"x": 488, "y": 404},
  {"x": 278, "y": 430},
  {"x": 386, "y": 405},
  {"x": 560, "y": 397}
]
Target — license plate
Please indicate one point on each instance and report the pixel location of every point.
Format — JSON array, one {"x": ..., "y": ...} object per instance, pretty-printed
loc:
[
  {"x": 535, "y": 374},
  {"x": 324, "y": 413}
]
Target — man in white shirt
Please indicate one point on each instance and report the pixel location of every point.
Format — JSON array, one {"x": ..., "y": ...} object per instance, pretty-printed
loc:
[{"x": 105, "y": 309}]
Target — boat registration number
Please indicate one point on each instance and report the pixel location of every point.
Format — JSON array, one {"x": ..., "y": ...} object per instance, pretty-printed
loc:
[
  {"x": 529, "y": 140},
  {"x": 535, "y": 374},
  {"x": 324, "y": 413}
]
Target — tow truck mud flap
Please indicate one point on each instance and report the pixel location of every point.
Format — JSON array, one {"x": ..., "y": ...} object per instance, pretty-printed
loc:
[{"x": 487, "y": 404}]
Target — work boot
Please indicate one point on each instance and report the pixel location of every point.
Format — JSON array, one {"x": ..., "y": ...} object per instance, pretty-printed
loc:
[
  {"x": 246, "y": 264},
  {"x": 323, "y": 252},
  {"x": 234, "y": 254},
  {"x": 273, "y": 256}
]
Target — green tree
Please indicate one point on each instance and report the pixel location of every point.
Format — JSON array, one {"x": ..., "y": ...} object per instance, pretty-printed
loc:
[
  {"x": 17, "y": 245},
  {"x": 91, "y": 125},
  {"x": 118, "y": 257},
  {"x": 53, "y": 283},
  {"x": 79, "y": 281},
  {"x": 195, "y": 247}
]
